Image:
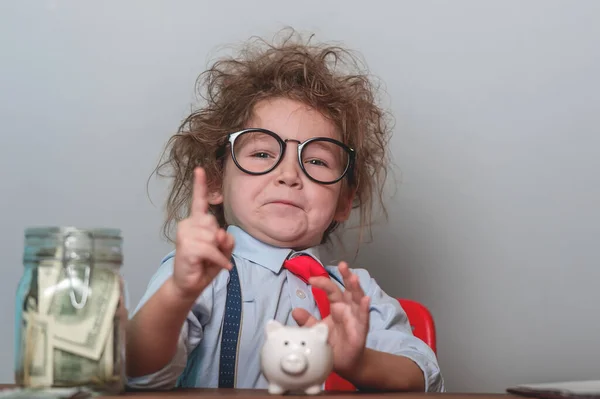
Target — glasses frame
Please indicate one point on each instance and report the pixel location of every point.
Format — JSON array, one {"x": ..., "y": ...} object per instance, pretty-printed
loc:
[{"x": 301, "y": 145}]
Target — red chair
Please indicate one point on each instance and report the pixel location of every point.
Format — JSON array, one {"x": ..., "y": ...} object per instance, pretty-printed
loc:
[
  {"x": 423, "y": 327},
  {"x": 421, "y": 321}
]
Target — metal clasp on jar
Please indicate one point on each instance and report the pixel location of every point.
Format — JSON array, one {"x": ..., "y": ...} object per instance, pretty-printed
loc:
[{"x": 71, "y": 273}]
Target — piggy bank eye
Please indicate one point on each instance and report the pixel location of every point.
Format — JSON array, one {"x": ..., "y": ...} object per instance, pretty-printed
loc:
[
  {"x": 286, "y": 343},
  {"x": 303, "y": 343}
]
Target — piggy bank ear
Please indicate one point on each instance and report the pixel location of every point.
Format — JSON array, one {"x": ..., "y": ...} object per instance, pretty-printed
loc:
[
  {"x": 321, "y": 330},
  {"x": 272, "y": 325}
]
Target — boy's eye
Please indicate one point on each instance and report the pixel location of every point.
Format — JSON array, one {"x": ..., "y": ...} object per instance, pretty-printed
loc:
[
  {"x": 316, "y": 162},
  {"x": 260, "y": 155}
]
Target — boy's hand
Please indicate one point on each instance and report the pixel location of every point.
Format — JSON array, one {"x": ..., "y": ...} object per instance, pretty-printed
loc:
[
  {"x": 348, "y": 322},
  {"x": 202, "y": 247}
]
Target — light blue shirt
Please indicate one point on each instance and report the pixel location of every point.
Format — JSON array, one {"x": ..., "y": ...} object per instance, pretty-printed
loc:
[{"x": 271, "y": 292}]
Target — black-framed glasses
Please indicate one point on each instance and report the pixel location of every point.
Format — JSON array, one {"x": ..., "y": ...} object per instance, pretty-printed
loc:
[{"x": 322, "y": 159}]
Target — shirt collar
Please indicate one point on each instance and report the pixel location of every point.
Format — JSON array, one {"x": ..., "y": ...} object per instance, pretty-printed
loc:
[{"x": 263, "y": 254}]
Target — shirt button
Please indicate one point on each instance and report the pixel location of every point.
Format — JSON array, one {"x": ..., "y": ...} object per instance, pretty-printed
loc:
[{"x": 300, "y": 294}]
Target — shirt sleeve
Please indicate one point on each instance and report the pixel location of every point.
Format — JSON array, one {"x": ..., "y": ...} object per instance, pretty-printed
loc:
[
  {"x": 190, "y": 336},
  {"x": 391, "y": 332}
]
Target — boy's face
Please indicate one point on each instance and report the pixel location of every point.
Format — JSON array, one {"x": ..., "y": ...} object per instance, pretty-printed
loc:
[{"x": 284, "y": 207}]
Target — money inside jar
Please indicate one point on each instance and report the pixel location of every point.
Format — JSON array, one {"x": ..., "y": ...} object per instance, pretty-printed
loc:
[{"x": 72, "y": 320}]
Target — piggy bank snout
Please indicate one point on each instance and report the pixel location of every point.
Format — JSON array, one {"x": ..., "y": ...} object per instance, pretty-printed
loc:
[{"x": 294, "y": 363}]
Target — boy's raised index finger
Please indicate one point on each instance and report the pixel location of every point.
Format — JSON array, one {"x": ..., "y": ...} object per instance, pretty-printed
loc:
[{"x": 199, "y": 201}]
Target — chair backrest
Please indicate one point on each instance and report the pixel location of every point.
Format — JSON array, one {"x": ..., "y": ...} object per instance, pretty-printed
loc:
[{"x": 421, "y": 321}]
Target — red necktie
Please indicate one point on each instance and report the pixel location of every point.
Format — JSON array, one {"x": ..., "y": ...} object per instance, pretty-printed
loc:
[{"x": 305, "y": 267}]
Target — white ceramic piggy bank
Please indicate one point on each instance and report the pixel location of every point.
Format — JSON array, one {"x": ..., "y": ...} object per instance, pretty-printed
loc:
[{"x": 296, "y": 358}]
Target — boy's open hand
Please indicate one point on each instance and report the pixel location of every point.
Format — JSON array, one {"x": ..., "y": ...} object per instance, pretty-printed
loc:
[
  {"x": 202, "y": 247},
  {"x": 348, "y": 322}
]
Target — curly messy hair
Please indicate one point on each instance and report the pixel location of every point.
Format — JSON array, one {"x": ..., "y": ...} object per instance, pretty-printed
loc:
[{"x": 325, "y": 77}]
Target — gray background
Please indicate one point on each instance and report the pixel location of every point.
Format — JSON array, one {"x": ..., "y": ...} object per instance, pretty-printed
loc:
[{"x": 493, "y": 220}]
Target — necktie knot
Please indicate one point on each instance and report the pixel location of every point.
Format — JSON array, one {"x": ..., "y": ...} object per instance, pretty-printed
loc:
[{"x": 305, "y": 267}]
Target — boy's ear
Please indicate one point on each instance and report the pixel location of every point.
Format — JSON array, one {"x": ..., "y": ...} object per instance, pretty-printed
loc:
[
  {"x": 342, "y": 213},
  {"x": 215, "y": 197}
]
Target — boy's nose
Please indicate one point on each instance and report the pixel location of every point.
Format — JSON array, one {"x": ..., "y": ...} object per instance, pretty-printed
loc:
[{"x": 288, "y": 171}]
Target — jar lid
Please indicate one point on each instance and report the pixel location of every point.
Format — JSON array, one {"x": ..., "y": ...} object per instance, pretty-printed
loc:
[
  {"x": 62, "y": 231},
  {"x": 72, "y": 244}
]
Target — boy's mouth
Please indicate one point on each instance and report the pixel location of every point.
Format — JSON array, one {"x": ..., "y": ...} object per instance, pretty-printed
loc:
[{"x": 286, "y": 202}]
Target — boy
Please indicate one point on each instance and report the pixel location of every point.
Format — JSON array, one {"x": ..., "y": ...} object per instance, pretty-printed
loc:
[{"x": 285, "y": 146}]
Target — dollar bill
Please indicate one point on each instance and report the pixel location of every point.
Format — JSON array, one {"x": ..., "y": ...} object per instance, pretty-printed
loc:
[
  {"x": 71, "y": 369},
  {"x": 108, "y": 356},
  {"x": 32, "y": 297},
  {"x": 118, "y": 366},
  {"x": 47, "y": 393},
  {"x": 48, "y": 273},
  {"x": 37, "y": 350},
  {"x": 84, "y": 331}
]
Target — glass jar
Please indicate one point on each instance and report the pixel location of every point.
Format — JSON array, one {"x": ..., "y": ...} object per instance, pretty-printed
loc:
[{"x": 70, "y": 313}]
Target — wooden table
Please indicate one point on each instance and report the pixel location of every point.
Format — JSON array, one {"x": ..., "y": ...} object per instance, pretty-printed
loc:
[
  {"x": 262, "y": 394},
  {"x": 205, "y": 393}
]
